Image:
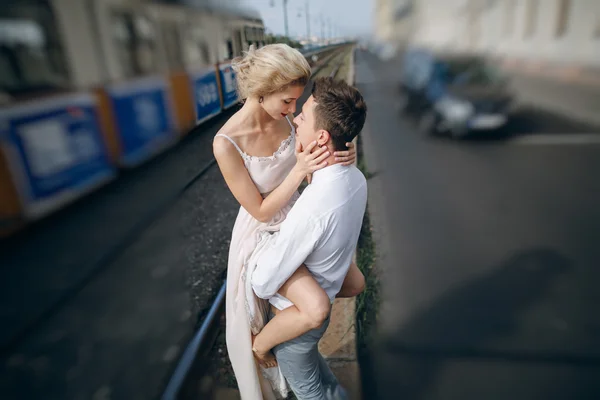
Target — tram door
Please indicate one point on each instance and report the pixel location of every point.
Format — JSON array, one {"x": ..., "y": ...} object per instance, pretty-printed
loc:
[
  {"x": 237, "y": 42},
  {"x": 172, "y": 40}
]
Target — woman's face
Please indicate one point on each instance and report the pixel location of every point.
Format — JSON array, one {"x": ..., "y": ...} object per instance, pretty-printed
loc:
[{"x": 278, "y": 105}]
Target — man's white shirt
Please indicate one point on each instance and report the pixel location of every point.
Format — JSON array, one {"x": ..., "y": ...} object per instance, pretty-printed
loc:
[{"x": 321, "y": 231}]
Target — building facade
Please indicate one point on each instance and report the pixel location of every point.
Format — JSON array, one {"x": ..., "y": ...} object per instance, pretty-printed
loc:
[
  {"x": 547, "y": 31},
  {"x": 394, "y": 21}
]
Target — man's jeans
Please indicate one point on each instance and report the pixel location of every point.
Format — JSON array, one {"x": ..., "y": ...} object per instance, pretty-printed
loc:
[{"x": 304, "y": 368}]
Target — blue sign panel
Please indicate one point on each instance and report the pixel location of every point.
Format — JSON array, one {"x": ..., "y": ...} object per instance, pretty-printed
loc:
[
  {"x": 56, "y": 151},
  {"x": 144, "y": 118},
  {"x": 228, "y": 86},
  {"x": 206, "y": 94}
]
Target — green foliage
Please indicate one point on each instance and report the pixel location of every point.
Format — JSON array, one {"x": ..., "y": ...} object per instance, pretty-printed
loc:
[
  {"x": 270, "y": 39},
  {"x": 367, "y": 303}
]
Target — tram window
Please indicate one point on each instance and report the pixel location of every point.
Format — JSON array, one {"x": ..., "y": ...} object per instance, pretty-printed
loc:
[
  {"x": 136, "y": 43},
  {"x": 31, "y": 60},
  {"x": 249, "y": 33},
  {"x": 196, "y": 48},
  {"x": 124, "y": 39},
  {"x": 229, "y": 49},
  {"x": 237, "y": 37},
  {"x": 172, "y": 44},
  {"x": 198, "y": 53}
]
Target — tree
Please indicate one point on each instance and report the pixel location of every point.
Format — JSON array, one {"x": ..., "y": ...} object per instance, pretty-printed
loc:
[{"x": 269, "y": 39}]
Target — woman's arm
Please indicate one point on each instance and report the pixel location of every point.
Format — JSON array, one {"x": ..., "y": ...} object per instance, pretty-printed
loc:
[
  {"x": 243, "y": 188},
  {"x": 346, "y": 157}
]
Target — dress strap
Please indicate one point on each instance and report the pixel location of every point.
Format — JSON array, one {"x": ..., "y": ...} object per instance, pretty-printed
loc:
[
  {"x": 291, "y": 125},
  {"x": 233, "y": 142}
]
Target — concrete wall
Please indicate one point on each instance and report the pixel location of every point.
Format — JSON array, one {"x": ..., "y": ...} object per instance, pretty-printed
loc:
[
  {"x": 436, "y": 23},
  {"x": 579, "y": 43}
]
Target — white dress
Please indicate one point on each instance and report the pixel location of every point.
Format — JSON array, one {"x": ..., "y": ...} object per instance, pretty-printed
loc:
[{"x": 245, "y": 312}]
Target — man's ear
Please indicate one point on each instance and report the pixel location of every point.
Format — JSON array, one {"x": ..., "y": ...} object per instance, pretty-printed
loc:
[{"x": 323, "y": 137}]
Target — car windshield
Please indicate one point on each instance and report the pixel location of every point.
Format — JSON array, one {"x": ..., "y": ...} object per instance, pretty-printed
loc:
[{"x": 471, "y": 72}]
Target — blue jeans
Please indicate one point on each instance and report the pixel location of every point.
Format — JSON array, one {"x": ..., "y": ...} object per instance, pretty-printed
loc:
[{"x": 304, "y": 368}]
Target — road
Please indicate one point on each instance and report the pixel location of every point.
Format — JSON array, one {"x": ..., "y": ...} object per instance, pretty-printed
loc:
[{"x": 488, "y": 255}]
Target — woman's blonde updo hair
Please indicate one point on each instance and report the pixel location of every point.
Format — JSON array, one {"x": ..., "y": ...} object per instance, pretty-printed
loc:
[{"x": 270, "y": 69}]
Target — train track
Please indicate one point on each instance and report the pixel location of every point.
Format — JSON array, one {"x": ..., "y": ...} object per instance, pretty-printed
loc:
[{"x": 189, "y": 371}]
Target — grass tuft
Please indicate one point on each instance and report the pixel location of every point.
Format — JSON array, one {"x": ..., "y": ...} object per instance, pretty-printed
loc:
[{"x": 367, "y": 303}]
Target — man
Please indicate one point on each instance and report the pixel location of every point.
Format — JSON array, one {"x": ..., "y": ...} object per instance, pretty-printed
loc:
[{"x": 321, "y": 231}]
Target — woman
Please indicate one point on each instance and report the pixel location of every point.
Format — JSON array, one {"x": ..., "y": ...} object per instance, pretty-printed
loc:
[{"x": 263, "y": 167}]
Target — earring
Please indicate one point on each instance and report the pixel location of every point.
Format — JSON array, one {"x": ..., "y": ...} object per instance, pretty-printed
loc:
[{"x": 261, "y": 99}]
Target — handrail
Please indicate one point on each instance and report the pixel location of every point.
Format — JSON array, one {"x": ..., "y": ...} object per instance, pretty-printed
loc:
[{"x": 189, "y": 355}]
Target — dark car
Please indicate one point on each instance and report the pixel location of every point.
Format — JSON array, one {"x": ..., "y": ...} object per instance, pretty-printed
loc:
[{"x": 454, "y": 94}]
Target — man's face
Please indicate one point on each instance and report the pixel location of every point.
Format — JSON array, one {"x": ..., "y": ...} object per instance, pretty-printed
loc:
[{"x": 305, "y": 121}]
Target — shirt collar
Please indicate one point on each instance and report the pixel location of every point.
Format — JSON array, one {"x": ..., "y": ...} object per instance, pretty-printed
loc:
[{"x": 329, "y": 172}]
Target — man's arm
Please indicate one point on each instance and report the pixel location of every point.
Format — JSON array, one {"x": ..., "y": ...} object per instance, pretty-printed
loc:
[{"x": 295, "y": 241}]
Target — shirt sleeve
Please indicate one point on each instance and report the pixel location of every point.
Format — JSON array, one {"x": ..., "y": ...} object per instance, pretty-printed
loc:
[{"x": 296, "y": 240}]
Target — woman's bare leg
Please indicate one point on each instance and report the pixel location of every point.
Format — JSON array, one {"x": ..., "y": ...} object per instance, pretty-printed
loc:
[
  {"x": 354, "y": 283},
  {"x": 311, "y": 308}
]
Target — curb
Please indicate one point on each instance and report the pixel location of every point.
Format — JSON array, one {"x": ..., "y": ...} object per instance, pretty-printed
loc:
[{"x": 338, "y": 345}]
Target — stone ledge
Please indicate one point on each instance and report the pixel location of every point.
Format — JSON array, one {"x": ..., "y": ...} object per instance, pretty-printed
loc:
[
  {"x": 339, "y": 342},
  {"x": 338, "y": 346}
]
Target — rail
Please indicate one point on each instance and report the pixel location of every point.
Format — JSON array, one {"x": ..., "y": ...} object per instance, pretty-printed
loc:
[
  {"x": 194, "y": 348},
  {"x": 315, "y": 50}
]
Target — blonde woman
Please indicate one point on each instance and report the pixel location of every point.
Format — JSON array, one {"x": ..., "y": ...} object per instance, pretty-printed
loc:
[{"x": 263, "y": 166}]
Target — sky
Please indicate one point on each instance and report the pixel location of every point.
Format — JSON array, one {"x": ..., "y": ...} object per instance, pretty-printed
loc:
[{"x": 350, "y": 17}]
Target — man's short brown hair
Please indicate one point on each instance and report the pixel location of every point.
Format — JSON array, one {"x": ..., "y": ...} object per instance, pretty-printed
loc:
[{"x": 340, "y": 110}]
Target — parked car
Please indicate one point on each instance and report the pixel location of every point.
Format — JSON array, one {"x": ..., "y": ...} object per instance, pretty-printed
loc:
[{"x": 453, "y": 94}]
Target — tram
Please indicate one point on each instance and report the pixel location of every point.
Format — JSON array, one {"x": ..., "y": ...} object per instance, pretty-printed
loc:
[{"x": 89, "y": 87}]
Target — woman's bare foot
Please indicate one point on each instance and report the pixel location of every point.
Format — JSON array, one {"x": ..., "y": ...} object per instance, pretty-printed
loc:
[{"x": 264, "y": 358}]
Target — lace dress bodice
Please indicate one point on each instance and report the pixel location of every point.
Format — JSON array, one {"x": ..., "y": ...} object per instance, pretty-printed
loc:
[{"x": 268, "y": 172}]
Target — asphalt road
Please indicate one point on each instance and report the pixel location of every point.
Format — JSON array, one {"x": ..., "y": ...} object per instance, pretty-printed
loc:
[{"x": 488, "y": 254}]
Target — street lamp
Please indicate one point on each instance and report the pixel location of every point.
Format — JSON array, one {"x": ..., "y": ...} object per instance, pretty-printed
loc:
[
  {"x": 285, "y": 17},
  {"x": 307, "y": 21},
  {"x": 307, "y": 15}
]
